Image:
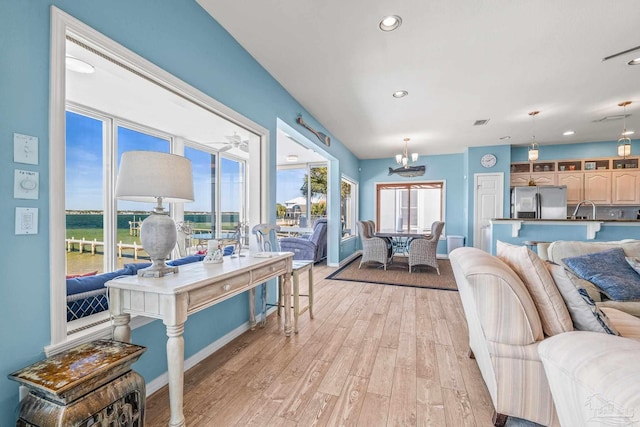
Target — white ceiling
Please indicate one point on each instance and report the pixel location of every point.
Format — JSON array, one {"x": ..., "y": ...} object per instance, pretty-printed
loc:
[
  {"x": 460, "y": 61},
  {"x": 113, "y": 90}
]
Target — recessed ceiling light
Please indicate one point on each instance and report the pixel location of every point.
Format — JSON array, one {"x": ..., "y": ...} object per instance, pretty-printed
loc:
[
  {"x": 629, "y": 132},
  {"x": 400, "y": 94},
  {"x": 569, "y": 133},
  {"x": 78, "y": 65},
  {"x": 502, "y": 138},
  {"x": 292, "y": 158},
  {"x": 634, "y": 62},
  {"x": 390, "y": 23}
]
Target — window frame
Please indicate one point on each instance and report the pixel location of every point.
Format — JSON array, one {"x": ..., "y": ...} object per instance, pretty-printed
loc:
[
  {"x": 258, "y": 181},
  {"x": 408, "y": 186},
  {"x": 219, "y": 155},
  {"x": 354, "y": 206}
]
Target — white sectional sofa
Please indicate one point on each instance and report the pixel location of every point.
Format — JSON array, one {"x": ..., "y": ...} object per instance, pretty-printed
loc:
[
  {"x": 511, "y": 306},
  {"x": 559, "y": 250}
]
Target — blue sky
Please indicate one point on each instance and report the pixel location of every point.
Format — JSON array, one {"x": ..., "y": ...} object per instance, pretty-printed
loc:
[{"x": 84, "y": 157}]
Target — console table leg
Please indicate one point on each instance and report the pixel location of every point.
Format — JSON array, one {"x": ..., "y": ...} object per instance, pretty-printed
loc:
[
  {"x": 296, "y": 300},
  {"x": 121, "y": 328},
  {"x": 287, "y": 303},
  {"x": 175, "y": 368},
  {"x": 252, "y": 308}
]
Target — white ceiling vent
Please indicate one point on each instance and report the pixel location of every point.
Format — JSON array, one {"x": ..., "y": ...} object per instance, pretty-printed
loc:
[{"x": 481, "y": 122}]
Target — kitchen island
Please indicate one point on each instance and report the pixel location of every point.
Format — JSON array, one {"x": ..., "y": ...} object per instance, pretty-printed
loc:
[{"x": 518, "y": 231}]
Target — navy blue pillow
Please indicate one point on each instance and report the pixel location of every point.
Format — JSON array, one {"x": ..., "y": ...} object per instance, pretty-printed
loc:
[
  {"x": 189, "y": 259},
  {"x": 91, "y": 283},
  {"x": 180, "y": 261},
  {"x": 610, "y": 272}
]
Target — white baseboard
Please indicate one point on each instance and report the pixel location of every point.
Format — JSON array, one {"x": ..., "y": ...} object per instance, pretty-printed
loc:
[
  {"x": 159, "y": 382},
  {"x": 350, "y": 258}
]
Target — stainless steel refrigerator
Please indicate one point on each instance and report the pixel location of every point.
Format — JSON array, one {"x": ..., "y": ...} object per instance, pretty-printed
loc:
[{"x": 544, "y": 202}]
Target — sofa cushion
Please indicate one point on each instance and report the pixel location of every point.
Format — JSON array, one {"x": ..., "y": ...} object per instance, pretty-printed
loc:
[
  {"x": 77, "y": 285},
  {"x": 567, "y": 249},
  {"x": 531, "y": 269},
  {"x": 610, "y": 272},
  {"x": 586, "y": 316}
]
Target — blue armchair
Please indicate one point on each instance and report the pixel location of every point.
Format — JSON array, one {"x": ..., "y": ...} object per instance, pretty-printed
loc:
[{"x": 313, "y": 247}]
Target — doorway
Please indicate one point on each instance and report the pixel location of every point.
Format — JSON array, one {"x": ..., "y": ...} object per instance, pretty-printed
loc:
[{"x": 488, "y": 202}]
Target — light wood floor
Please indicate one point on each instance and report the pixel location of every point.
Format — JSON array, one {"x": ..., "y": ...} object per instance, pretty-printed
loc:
[{"x": 374, "y": 355}]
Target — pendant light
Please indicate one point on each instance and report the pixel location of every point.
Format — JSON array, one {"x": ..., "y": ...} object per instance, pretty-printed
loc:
[
  {"x": 403, "y": 158},
  {"x": 533, "y": 148},
  {"x": 624, "y": 143}
]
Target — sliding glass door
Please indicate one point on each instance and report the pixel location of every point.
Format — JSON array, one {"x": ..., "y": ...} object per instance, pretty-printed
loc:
[{"x": 409, "y": 207}]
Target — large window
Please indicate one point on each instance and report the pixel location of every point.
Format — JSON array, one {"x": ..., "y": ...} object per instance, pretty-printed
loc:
[
  {"x": 414, "y": 206},
  {"x": 220, "y": 199},
  {"x": 129, "y": 103},
  {"x": 102, "y": 234},
  {"x": 348, "y": 207},
  {"x": 301, "y": 194},
  {"x": 96, "y": 241}
]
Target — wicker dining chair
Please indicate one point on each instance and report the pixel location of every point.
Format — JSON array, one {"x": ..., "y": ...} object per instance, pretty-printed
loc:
[
  {"x": 423, "y": 251},
  {"x": 374, "y": 249}
]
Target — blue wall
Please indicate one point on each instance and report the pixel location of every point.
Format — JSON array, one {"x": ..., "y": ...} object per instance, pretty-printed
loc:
[
  {"x": 456, "y": 169},
  {"x": 178, "y": 36},
  {"x": 449, "y": 168}
]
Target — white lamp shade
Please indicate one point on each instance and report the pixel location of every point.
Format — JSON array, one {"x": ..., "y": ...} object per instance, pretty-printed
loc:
[
  {"x": 414, "y": 157},
  {"x": 146, "y": 175},
  {"x": 533, "y": 155}
]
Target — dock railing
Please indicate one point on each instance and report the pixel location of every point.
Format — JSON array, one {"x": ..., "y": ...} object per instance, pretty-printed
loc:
[{"x": 91, "y": 246}]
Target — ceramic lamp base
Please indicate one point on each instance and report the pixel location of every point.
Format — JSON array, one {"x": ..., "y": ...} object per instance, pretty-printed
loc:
[{"x": 158, "y": 236}]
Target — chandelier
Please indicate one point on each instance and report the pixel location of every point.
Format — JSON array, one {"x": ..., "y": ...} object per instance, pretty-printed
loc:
[
  {"x": 403, "y": 158},
  {"x": 624, "y": 143},
  {"x": 533, "y": 148},
  {"x": 407, "y": 168}
]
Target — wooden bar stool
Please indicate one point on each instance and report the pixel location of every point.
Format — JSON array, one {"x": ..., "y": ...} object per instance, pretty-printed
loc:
[{"x": 299, "y": 266}]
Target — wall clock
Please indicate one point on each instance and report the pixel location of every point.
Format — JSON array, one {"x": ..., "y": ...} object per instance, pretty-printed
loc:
[{"x": 488, "y": 160}]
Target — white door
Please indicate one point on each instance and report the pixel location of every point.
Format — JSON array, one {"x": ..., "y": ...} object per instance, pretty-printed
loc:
[{"x": 488, "y": 201}]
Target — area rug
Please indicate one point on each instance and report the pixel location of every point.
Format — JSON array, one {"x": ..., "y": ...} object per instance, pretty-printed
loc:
[{"x": 397, "y": 273}]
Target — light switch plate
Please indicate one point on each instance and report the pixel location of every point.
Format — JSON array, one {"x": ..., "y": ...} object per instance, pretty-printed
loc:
[
  {"x": 26, "y": 184},
  {"x": 26, "y": 220},
  {"x": 25, "y": 149}
]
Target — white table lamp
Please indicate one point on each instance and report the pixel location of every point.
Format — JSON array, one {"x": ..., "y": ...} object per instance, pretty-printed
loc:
[{"x": 153, "y": 177}]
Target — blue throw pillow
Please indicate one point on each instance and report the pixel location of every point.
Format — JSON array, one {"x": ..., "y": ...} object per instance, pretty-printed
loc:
[
  {"x": 188, "y": 260},
  {"x": 610, "y": 272}
]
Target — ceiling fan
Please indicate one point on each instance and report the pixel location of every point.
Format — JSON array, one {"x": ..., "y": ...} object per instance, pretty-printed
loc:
[{"x": 233, "y": 141}]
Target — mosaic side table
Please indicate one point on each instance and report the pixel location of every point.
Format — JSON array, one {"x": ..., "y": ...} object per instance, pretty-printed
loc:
[{"x": 89, "y": 385}]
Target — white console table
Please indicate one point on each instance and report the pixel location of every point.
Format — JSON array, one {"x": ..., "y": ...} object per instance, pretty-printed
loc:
[{"x": 195, "y": 287}]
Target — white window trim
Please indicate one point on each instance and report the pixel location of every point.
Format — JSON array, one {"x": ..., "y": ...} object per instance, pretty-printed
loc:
[
  {"x": 61, "y": 25},
  {"x": 444, "y": 198},
  {"x": 356, "y": 197}
]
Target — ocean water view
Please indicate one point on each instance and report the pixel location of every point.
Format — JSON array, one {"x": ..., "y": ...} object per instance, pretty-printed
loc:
[{"x": 88, "y": 226}]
